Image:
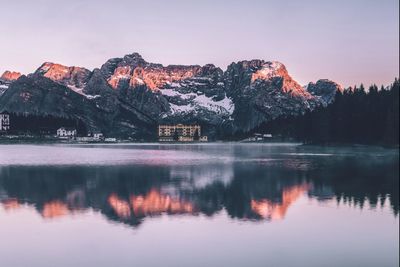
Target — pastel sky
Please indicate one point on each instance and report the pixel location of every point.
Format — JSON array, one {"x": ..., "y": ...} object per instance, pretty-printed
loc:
[{"x": 348, "y": 41}]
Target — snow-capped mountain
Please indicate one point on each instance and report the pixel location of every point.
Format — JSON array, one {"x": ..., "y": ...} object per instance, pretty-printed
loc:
[
  {"x": 172, "y": 92},
  {"x": 127, "y": 94}
]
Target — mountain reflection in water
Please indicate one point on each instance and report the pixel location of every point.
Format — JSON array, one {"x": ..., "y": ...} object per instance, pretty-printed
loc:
[
  {"x": 246, "y": 190},
  {"x": 267, "y": 209}
]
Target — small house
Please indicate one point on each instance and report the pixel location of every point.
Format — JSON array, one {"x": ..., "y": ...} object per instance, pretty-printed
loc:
[
  {"x": 64, "y": 132},
  {"x": 203, "y": 138},
  {"x": 98, "y": 136}
]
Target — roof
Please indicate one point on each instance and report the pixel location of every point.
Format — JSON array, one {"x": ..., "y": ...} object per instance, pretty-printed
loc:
[{"x": 67, "y": 128}]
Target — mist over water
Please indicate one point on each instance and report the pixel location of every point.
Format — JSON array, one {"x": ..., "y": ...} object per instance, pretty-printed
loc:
[{"x": 198, "y": 205}]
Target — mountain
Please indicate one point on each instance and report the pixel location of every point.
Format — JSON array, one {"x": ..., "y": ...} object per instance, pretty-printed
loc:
[
  {"x": 172, "y": 93},
  {"x": 324, "y": 89},
  {"x": 73, "y": 77},
  {"x": 129, "y": 96},
  {"x": 262, "y": 91},
  {"x": 6, "y": 78},
  {"x": 10, "y": 76},
  {"x": 40, "y": 96}
]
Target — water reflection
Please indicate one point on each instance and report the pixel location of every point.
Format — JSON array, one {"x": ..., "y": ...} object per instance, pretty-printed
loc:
[
  {"x": 55, "y": 209},
  {"x": 268, "y": 209},
  {"x": 247, "y": 190},
  {"x": 10, "y": 204}
]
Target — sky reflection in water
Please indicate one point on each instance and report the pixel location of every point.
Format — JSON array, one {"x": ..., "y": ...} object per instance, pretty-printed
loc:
[{"x": 283, "y": 199}]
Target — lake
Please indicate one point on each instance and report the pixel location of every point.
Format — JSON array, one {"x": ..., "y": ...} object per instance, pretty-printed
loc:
[{"x": 198, "y": 205}]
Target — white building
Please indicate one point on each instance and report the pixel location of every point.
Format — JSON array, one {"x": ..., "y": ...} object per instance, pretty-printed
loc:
[
  {"x": 98, "y": 136},
  {"x": 257, "y": 137},
  {"x": 4, "y": 122},
  {"x": 66, "y": 132},
  {"x": 203, "y": 138}
]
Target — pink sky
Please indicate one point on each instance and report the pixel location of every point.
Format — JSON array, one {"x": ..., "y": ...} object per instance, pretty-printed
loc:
[{"x": 350, "y": 42}]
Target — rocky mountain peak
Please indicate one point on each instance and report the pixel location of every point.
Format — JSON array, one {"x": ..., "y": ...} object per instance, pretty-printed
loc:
[
  {"x": 133, "y": 59},
  {"x": 9, "y": 76},
  {"x": 6, "y": 79},
  {"x": 73, "y": 77},
  {"x": 133, "y": 71},
  {"x": 324, "y": 89},
  {"x": 157, "y": 76},
  {"x": 128, "y": 94},
  {"x": 211, "y": 70},
  {"x": 254, "y": 73},
  {"x": 269, "y": 69},
  {"x": 272, "y": 69}
]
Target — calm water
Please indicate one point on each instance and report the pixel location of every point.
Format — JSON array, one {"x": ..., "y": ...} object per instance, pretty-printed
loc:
[{"x": 198, "y": 205}]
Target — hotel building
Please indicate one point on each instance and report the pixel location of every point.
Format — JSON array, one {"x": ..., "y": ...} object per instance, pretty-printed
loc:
[{"x": 180, "y": 133}]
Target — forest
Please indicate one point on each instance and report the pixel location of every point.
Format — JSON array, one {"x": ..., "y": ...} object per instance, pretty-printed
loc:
[
  {"x": 356, "y": 116},
  {"x": 41, "y": 126}
]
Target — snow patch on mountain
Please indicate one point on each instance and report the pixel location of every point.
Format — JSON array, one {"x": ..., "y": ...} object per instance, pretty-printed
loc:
[
  {"x": 270, "y": 69},
  {"x": 75, "y": 89},
  {"x": 3, "y": 88},
  {"x": 80, "y": 91},
  {"x": 199, "y": 101},
  {"x": 92, "y": 96},
  {"x": 181, "y": 109},
  {"x": 222, "y": 106}
]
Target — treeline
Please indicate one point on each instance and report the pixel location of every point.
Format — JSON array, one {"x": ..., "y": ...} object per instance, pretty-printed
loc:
[
  {"x": 356, "y": 116},
  {"x": 26, "y": 124}
]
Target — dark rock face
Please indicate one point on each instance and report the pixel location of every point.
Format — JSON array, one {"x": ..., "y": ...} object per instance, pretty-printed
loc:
[
  {"x": 100, "y": 92},
  {"x": 324, "y": 89},
  {"x": 263, "y": 91},
  {"x": 38, "y": 95},
  {"x": 129, "y": 96},
  {"x": 72, "y": 77},
  {"x": 168, "y": 94}
]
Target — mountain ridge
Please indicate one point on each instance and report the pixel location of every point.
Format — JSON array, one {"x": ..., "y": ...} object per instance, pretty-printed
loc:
[{"x": 238, "y": 99}]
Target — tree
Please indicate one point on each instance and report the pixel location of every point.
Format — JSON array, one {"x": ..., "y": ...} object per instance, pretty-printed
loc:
[
  {"x": 176, "y": 136},
  {"x": 196, "y": 135}
]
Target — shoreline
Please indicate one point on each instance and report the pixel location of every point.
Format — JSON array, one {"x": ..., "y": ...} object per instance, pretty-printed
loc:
[{"x": 30, "y": 141}]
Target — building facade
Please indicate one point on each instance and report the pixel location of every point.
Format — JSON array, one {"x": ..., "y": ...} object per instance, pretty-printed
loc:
[
  {"x": 98, "y": 136},
  {"x": 66, "y": 132},
  {"x": 180, "y": 133},
  {"x": 4, "y": 122}
]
